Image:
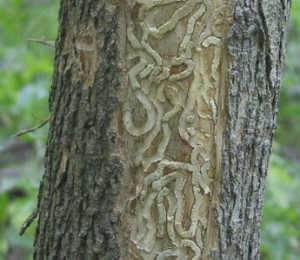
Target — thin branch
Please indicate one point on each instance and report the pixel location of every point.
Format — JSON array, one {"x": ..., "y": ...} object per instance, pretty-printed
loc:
[
  {"x": 26, "y": 131},
  {"x": 42, "y": 41},
  {"x": 28, "y": 222}
]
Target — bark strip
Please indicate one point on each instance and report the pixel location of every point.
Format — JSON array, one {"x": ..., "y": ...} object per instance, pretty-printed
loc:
[
  {"x": 256, "y": 42},
  {"x": 82, "y": 175}
]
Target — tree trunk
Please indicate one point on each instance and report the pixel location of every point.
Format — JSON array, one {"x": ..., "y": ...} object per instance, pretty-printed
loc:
[{"x": 163, "y": 114}]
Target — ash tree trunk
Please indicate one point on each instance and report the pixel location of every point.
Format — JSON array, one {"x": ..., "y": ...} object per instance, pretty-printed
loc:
[{"x": 162, "y": 118}]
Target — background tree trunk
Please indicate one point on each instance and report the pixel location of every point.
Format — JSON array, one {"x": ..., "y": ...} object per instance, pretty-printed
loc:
[{"x": 163, "y": 114}]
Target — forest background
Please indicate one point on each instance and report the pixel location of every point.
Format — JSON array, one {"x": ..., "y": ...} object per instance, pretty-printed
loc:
[{"x": 25, "y": 78}]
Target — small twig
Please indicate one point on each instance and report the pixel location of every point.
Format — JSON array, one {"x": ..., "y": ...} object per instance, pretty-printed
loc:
[
  {"x": 42, "y": 41},
  {"x": 26, "y": 131},
  {"x": 28, "y": 221}
]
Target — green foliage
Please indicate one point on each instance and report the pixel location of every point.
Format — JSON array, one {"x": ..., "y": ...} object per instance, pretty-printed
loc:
[
  {"x": 281, "y": 226},
  {"x": 25, "y": 76},
  {"x": 26, "y": 68},
  {"x": 18, "y": 200},
  {"x": 288, "y": 119}
]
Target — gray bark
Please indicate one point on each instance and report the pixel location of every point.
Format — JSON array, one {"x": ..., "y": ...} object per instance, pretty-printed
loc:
[
  {"x": 256, "y": 41},
  {"x": 82, "y": 173}
]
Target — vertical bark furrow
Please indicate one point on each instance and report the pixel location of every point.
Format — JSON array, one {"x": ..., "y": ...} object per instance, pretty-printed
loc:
[
  {"x": 256, "y": 43},
  {"x": 78, "y": 191}
]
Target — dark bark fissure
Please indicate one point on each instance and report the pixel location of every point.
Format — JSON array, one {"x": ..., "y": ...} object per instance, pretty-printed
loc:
[{"x": 82, "y": 174}]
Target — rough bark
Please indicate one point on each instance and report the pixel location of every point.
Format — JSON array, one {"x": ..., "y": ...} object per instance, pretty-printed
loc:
[
  {"x": 162, "y": 118},
  {"x": 82, "y": 171},
  {"x": 256, "y": 42}
]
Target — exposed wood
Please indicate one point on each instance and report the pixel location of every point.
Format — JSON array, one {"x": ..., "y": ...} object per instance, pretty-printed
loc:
[{"x": 172, "y": 123}]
